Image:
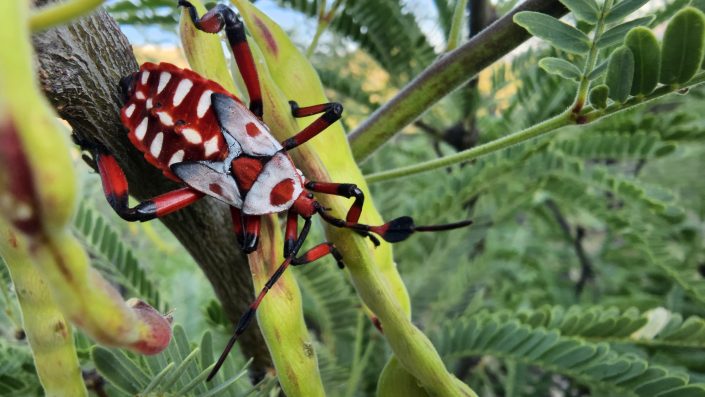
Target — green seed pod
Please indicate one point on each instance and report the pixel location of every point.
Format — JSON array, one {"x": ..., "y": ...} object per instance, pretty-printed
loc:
[
  {"x": 620, "y": 74},
  {"x": 683, "y": 46},
  {"x": 647, "y": 59},
  {"x": 598, "y": 96},
  {"x": 396, "y": 381}
]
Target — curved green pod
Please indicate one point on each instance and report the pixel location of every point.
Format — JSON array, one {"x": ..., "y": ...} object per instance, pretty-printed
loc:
[
  {"x": 327, "y": 157},
  {"x": 683, "y": 46},
  {"x": 39, "y": 198},
  {"x": 280, "y": 315},
  {"x": 647, "y": 59}
]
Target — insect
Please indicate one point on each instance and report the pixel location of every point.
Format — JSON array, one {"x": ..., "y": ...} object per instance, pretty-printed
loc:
[{"x": 209, "y": 141}]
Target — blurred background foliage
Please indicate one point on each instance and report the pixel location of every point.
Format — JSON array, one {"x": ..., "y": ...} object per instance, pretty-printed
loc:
[{"x": 606, "y": 219}]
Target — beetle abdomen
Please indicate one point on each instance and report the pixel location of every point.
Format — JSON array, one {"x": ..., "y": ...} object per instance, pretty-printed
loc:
[{"x": 170, "y": 117}]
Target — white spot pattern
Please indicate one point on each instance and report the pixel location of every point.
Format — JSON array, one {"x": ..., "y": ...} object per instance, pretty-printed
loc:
[
  {"x": 211, "y": 146},
  {"x": 182, "y": 90},
  {"x": 145, "y": 77},
  {"x": 130, "y": 110},
  {"x": 176, "y": 157},
  {"x": 148, "y": 104},
  {"x": 191, "y": 135},
  {"x": 204, "y": 103},
  {"x": 156, "y": 147},
  {"x": 163, "y": 81},
  {"x": 141, "y": 129},
  {"x": 140, "y": 95},
  {"x": 165, "y": 118}
]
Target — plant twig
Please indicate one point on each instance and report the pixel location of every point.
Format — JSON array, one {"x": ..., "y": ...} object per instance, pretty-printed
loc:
[
  {"x": 443, "y": 76},
  {"x": 588, "y": 115},
  {"x": 586, "y": 266}
]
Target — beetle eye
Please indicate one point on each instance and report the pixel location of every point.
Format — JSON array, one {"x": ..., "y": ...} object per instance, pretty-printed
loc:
[
  {"x": 310, "y": 195},
  {"x": 127, "y": 86}
]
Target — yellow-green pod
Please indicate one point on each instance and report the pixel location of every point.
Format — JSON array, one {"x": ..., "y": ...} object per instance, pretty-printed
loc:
[
  {"x": 647, "y": 59},
  {"x": 683, "y": 47},
  {"x": 39, "y": 188},
  {"x": 280, "y": 315},
  {"x": 396, "y": 381},
  {"x": 327, "y": 157}
]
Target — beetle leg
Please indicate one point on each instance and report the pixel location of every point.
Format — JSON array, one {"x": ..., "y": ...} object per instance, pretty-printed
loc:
[
  {"x": 246, "y": 318},
  {"x": 251, "y": 235},
  {"x": 318, "y": 252},
  {"x": 291, "y": 231},
  {"x": 236, "y": 216},
  {"x": 347, "y": 190},
  {"x": 222, "y": 17},
  {"x": 116, "y": 191},
  {"x": 331, "y": 113}
]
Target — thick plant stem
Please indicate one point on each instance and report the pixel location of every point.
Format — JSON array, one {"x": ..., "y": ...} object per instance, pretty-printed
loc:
[
  {"x": 280, "y": 316},
  {"x": 325, "y": 158},
  {"x": 445, "y": 75},
  {"x": 60, "y": 13},
  {"x": 48, "y": 332}
]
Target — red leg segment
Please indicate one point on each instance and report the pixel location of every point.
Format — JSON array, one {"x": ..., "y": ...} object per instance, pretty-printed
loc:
[
  {"x": 291, "y": 231},
  {"x": 221, "y": 17},
  {"x": 251, "y": 235},
  {"x": 332, "y": 112},
  {"x": 236, "y": 216},
  {"x": 318, "y": 252},
  {"x": 347, "y": 190},
  {"x": 115, "y": 189}
]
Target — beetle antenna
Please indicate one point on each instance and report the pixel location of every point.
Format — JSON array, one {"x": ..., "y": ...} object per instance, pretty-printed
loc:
[{"x": 396, "y": 230}]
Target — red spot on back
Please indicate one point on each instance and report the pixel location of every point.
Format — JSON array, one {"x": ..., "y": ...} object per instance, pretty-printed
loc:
[
  {"x": 246, "y": 170},
  {"x": 282, "y": 191},
  {"x": 215, "y": 188},
  {"x": 252, "y": 130}
]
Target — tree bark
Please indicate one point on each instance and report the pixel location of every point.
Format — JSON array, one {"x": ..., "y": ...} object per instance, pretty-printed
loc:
[{"x": 79, "y": 67}]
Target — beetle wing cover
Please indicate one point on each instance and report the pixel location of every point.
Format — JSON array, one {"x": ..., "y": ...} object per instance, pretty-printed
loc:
[
  {"x": 249, "y": 131},
  {"x": 276, "y": 188},
  {"x": 170, "y": 117},
  {"x": 211, "y": 179}
]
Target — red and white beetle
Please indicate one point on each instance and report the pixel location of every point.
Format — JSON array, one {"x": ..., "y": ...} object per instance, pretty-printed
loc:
[{"x": 205, "y": 138}]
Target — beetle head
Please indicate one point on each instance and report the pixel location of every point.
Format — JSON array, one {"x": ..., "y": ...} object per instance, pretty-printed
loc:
[{"x": 127, "y": 86}]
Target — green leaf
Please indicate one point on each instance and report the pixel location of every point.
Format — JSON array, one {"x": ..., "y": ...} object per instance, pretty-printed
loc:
[
  {"x": 598, "y": 96},
  {"x": 647, "y": 59},
  {"x": 560, "y": 67},
  {"x": 557, "y": 33},
  {"x": 120, "y": 372},
  {"x": 620, "y": 74},
  {"x": 585, "y": 10},
  {"x": 597, "y": 72},
  {"x": 617, "y": 33},
  {"x": 623, "y": 9},
  {"x": 683, "y": 46}
]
